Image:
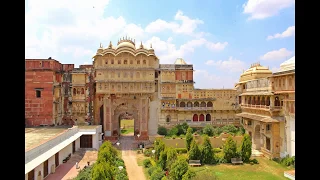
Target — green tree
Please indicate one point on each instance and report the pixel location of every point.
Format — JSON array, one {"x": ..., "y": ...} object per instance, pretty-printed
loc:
[
  {"x": 157, "y": 174},
  {"x": 194, "y": 153},
  {"x": 179, "y": 168},
  {"x": 188, "y": 175},
  {"x": 246, "y": 148},
  {"x": 171, "y": 157},
  {"x": 108, "y": 152},
  {"x": 102, "y": 170},
  {"x": 173, "y": 131},
  {"x": 163, "y": 159},
  {"x": 85, "y": 174},
  {"x": 189, "y": 138},
  {"x": 159, "y": 146},
  {"x": 207, "y": 151},
  {"x": 230, "y": 149},
  {"x": 162, "y": 130},
  {"x": 230, "y": 129},
  {"x": 217, "y": 131},
  {"x": 208, "y": 130}
]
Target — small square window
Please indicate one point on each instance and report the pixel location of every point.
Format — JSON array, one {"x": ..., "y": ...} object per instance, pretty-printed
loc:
[{"x": 38, "y": 93}]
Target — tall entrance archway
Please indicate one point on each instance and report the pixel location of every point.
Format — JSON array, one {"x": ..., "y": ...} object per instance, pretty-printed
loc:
[{"x": 115, "y": 108}]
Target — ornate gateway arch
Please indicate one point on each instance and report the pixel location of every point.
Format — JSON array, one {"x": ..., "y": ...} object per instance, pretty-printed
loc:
[{"x": 126, "y": 82}]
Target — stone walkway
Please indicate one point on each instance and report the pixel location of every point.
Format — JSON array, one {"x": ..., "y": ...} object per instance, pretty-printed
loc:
[
  {"x": 129, "y": 157},
  {"x": 67, "y": 171}
]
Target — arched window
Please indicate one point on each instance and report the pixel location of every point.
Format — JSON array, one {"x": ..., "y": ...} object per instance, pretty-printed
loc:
[
  {"x": 106, "y": 61},
  {"x": 74, "y": 91},
  {"x": 168, "y": 118},
  {"x": 268, "y": 101},
  {"x": 201, "y": 117},
  {"x": 82, "y": 91},
  {"x": 112, "y": 61},
  {"x": 182, "y": 104},
  {"x": 202, "y": 104},
  {"x": 209, "y": 104},
  {"x": 263, "y": 101},
  {"x": 196, "y": 104},
  {"x": 119, "y": 61},
  {"x": 189, "y": 104},
  {"x": 258, "y": 101},
  {"x": 195, "y": 117},
  {"x": 208, "y": 117}
]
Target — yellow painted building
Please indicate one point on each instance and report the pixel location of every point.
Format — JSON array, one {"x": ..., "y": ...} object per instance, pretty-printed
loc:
[
  {"x": 128, "y": 80},
  {"x": 263, "y": 108}
]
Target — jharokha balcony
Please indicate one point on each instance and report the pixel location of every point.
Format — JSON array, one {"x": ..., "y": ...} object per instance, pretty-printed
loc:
[{"x": 273, "y": 108}]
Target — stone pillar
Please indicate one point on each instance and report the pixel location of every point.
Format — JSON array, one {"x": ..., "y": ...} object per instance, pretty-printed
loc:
[{"x": 272, "y": 101}]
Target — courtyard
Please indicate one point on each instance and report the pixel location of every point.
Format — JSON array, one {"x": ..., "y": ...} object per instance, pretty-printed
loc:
[{"x": 67, "y": 171}]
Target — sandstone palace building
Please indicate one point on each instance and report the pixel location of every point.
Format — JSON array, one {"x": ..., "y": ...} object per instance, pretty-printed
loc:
[{"x": 123, "y": 80}]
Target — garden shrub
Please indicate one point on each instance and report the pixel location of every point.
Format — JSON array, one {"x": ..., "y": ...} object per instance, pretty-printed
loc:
[
  {"x": 151, "y": 169},
  {"x": 173, "y": 131},
  {"x": 287, "y": 161},
  {"x": 230, "y": 149},
  {"x": 189, "y": 138},
  {"x": 162, "y": 130},
  {"x": 146, "y": 163},
  {"x": 147, "y": 152},
  {"x": 157, "y": 174},
  {"x": 217, "y": 150},
  {"x": 231, "y": 129},
  {"x": 181, "y": 150},
  {"x": 254, "y": 161},
  {"x": 246, "y": 148},
  {"x": 208, "y": 130}
]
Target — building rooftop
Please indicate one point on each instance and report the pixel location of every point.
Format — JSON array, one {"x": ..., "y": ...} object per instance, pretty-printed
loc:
[{"x": 37, "y": 136}]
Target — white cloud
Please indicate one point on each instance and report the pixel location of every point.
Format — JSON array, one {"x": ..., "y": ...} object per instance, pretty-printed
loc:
[
  {"x": 187, "y": 26},
  {"x": 231, "y": 65},
  {"x": 261, "y": 9},
  {"x": 216, "y": 46},
  {"x": 204, "y": 79},
  {"x": 280, "y": 54},
  {"x": 59, "y": 28},
  {"x": 290, "y": 31}
]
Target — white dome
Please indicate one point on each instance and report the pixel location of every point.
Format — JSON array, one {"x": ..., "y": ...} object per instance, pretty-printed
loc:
[{"x": 288, "y": 64}]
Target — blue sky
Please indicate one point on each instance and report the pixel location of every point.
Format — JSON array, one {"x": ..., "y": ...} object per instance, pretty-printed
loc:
[{"x": 221, "y": 38}]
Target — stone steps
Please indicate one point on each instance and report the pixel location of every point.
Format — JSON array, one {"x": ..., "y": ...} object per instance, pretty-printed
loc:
[{"x": 256, "y": 153}]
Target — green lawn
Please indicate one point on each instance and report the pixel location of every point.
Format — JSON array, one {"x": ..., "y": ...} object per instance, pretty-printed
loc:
[
  {"x": 127, "y": 131},
  {"x": 265, "y": 170},
  {"x": 127, "y": 123}
]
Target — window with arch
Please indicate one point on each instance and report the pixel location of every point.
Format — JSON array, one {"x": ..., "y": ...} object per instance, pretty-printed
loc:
[
  {"x": 82, "y": 91},
  {"x": 112, "y": 61},
  {"x": 119, "y": 61},
  {"x": 138, "y": 62},
  {"x": 125, "y": 62},
  {"x": 144, "y": 62},
  {"x": 131, "y": 62},
  {"x": 106, "y": 61},
  {"x": 74, "y": 91},
  {"x": 168, "y": 118}
]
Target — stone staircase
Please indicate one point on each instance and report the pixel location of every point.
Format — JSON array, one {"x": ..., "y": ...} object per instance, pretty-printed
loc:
[{"x": 256, "y": 153}]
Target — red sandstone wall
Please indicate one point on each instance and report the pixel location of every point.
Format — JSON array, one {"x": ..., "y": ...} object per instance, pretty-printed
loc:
[
  {"x": 190, "y": 75},
  {"x": 39, "y": 110}
]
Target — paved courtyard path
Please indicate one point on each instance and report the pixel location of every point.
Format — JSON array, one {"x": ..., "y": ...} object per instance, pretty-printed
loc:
[{"x": 129, "y": 157}]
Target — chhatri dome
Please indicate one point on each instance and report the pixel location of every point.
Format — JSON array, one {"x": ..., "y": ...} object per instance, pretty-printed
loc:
[
  {"x": 126, "y": 42},
  {"x": 288, "y": 65},
  {"x": 180, "y": 61},
  {"x": 256, "y": 71}
]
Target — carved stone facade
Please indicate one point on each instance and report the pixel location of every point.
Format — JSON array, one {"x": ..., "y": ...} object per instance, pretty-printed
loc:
[
  {"x": 263, "y": 101},
  {"x": 125, "y": 80}
]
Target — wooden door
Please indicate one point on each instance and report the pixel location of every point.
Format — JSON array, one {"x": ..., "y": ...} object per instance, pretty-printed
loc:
[
  {"x": 31, "y": 175},
  {"x": 73, "y": 146},
  {"x": 45, "y": 168},
  {"x": 56, "y": 158},
  {"x": 86, "y": 141}
]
